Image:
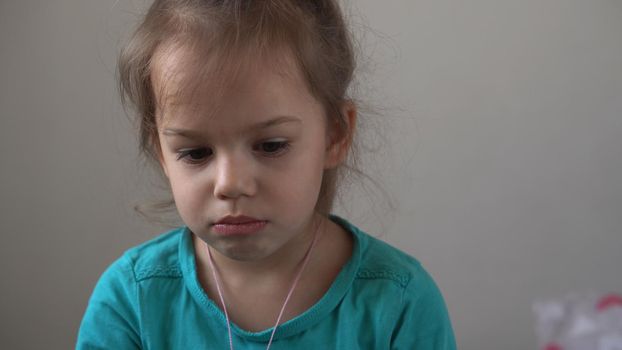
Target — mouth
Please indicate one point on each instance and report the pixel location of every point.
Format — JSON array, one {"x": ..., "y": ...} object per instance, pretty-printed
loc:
[{"x": 238, "y": 225}]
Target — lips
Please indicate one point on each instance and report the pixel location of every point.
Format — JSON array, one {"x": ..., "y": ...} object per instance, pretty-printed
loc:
[
  {"x": 236, "y": 220},
  {"x": 238, "y": 225}
]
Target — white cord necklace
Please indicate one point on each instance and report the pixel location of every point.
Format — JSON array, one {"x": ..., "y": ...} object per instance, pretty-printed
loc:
[{"x": 289, "y": 294}]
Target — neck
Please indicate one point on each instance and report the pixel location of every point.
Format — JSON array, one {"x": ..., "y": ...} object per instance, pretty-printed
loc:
[{"x": 277, "y": 268}]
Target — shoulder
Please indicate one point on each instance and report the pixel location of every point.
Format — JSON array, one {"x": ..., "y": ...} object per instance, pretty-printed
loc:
[
  {"x": 385, "y": 259},
  {"x": 396, "y": 296},
  {"x": 384, "y": 271},
  {"x": 398, "y": 282},
  {"x": 157, "y": 257},
  {"x": 380, "y": 257},
  {"x": 380, "y": 260},
  {"x": 112, "y": 317}
]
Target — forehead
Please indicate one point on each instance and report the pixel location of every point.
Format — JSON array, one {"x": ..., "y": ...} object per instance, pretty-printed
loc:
[{"x": 193, "y": 80}]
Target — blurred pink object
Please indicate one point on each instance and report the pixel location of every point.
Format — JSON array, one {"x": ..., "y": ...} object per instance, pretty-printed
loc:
[{"x": 589, "y": 321}]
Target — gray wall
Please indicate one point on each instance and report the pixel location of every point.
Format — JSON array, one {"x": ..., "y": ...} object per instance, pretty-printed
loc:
[{"x": 504, "y": 166}]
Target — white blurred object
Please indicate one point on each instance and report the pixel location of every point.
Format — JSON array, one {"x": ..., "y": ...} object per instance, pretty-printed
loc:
[{"x": 589, "y": 321}]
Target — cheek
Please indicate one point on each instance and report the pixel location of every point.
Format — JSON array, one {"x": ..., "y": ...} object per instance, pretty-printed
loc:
[
  {"x": 302, "y": 183},
  {"x": 188, "y": 196}
]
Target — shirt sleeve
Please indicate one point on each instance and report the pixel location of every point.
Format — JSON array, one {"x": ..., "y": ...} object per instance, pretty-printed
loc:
[
  {"x": 424, "y": 323},
  {"x": 111, "y": 318}
]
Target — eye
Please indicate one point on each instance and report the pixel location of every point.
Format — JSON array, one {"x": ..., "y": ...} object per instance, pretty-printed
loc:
[
  {"x": 273, "y": 148},
  {"x": 194, "y": 156}
]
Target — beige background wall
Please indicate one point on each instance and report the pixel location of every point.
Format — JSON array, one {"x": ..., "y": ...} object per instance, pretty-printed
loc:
[{"x": 504, "y": 163}]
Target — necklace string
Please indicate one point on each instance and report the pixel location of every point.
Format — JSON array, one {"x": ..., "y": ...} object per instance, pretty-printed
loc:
[{"x": 289, "y": 294}]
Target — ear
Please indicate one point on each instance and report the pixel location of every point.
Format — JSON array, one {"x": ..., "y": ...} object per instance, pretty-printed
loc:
[{"x": 339, "y": 141}]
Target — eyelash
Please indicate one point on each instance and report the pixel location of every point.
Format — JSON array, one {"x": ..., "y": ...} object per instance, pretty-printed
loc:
[{"x": 183, "y": 155}]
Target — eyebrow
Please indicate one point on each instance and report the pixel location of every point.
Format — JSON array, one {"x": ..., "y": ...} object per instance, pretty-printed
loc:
[{"x": 192, "y": 134}]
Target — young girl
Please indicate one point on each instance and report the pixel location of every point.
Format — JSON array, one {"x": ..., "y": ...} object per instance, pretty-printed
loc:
[{"x": 242, "y": 104}]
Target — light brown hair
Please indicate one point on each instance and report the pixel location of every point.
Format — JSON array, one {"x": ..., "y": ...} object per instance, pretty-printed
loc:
[{"x": 232, "y": 33}]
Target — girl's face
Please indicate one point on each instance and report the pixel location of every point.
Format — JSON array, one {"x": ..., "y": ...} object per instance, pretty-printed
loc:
[{"x": 259, "y": 150}]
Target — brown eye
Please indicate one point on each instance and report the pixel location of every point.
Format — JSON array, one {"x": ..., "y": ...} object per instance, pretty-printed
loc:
[
  {"x": 273, "y": 148},
  {"x": 194, "y": 155}
]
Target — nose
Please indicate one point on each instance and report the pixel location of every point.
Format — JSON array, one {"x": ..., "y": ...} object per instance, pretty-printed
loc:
[{"x": 235, "y": 177}]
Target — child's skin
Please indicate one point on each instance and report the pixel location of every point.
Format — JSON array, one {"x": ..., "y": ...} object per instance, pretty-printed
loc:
[{"x": 272, "y": 173}]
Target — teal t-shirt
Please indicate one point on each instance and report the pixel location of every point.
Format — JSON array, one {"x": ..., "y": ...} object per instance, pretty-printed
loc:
[{"x": 150, "y": 298}]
